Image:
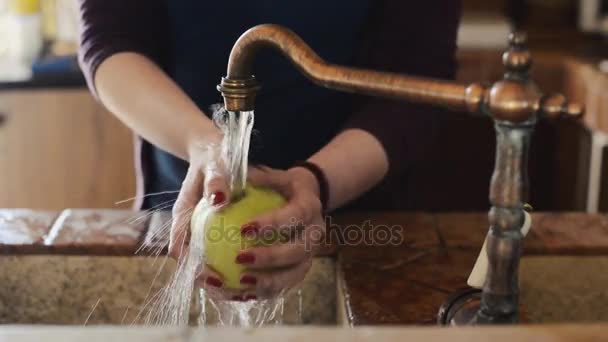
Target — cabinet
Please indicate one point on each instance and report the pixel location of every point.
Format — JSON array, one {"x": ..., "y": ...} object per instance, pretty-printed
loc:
[{"x": 60, "y": 149}]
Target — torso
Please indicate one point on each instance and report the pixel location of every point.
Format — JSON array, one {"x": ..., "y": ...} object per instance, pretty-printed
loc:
[{"x": 294, "y": 118}]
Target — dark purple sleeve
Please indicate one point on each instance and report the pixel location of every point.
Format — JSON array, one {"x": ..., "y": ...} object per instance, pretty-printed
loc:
[
  {"x": 112, "y": 26},
  {"x": 416, "y": 38}
]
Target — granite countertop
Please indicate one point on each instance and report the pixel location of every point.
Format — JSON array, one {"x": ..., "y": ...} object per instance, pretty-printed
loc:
[
  {"x": 399, "y": 271},
  {"x": 104, "y": 232},
  {"x": 88, "y": 232},
  {"x": 406, "y": 283}
]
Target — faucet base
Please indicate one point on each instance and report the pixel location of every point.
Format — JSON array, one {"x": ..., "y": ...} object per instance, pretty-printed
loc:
[
  {"x": 464, "y": 308},
  {"x": 460, "y": 308}
]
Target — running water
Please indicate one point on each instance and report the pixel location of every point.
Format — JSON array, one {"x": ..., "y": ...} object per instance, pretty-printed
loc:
[
  {"x": 237, "y": 129},
  {"x": 172, "y": 305}
]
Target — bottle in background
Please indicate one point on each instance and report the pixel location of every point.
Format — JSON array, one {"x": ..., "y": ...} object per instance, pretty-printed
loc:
[{"x": 24, "y": 28}]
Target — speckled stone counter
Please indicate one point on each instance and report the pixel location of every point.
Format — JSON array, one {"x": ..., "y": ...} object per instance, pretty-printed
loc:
[
  {"x": 62, "y": 289},
  {"x": 562, "y": 277},
  {"x": 394, "y": 268},
  {"x": 76, "y": 289},
  {"x": 121, "y": 232},
  {"x": 89, "y": 271}
]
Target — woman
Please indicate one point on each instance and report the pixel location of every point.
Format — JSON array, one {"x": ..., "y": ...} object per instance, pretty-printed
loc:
[{"x": 155, "y": 65}]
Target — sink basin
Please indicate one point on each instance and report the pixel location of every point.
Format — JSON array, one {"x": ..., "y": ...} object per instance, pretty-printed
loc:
[
  {"x": 560, "y": 289},
  {"x": 111, "y": 290}
]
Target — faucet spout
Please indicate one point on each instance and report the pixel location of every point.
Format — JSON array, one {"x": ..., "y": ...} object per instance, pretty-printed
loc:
[{"x": 239, "y": 87}]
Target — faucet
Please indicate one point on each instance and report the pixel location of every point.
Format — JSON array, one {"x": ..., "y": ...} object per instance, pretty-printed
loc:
[{"x": 514, "y": 103}]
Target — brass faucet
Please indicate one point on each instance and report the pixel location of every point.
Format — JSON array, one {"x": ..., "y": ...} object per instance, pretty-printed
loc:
[{"x": 514, "y": 103}]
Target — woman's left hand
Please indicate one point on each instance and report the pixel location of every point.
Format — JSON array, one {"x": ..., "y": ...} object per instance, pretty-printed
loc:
[{"x": 271, "y": 269}]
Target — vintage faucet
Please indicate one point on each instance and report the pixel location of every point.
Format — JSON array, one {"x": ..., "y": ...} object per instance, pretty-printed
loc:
[{"x": 514, "y": 103}]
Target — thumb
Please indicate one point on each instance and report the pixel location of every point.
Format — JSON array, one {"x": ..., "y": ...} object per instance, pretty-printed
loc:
[{"x": 266, "y": 177}]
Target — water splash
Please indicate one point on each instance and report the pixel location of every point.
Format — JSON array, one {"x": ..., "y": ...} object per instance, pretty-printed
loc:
[
  {"x": 242, "y": 314},
  {"x": 171, "y": 306}
]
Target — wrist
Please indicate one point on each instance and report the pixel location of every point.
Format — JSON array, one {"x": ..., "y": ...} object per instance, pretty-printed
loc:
[
  {"x": 307, "y": 178},
  {"x": 315, "y": 178},
  {"x": 202, "y": 141}
]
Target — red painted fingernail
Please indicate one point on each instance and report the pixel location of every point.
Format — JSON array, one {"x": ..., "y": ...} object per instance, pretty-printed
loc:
[
  {"x": 239, "y": 298},
  {"x": 212, "y": 281},
  {"x": 250, "y": 229},
  {"x": 251, "y": 297},
  {"x": 248, "y": 280},
  {"x": 245, "y": 258},
  {"x": 218, "y": 198}
]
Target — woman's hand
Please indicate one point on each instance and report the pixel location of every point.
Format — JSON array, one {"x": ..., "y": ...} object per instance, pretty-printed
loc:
[
  {"x": 206, "y": 178},
  {"x": 271, "y": 269}
]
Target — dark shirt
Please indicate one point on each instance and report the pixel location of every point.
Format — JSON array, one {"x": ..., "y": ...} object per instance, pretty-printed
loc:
[{"x": 191, "y": 41}]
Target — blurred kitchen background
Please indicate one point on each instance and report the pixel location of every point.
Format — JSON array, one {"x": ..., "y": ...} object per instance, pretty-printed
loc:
[{"x": 60, "y": 149}]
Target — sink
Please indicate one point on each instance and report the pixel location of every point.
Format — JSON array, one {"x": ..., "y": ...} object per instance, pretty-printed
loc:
[
  {"x": 415, "y": 278},
  {"x": 86, "y": 270},
  {"x": 564, "y": 289},
  {"x": 75, "y": 290}
]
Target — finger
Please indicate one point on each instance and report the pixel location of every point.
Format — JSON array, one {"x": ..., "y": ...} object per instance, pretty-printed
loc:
[
  {"x": 266, "y": 177},
  {"x": 314, "y": 237},
  {"x": 217, "y": 188},
  {"x": 267, "y": 284},
  {"x": 279, "y": 255},
  {"x": 209, "y": 278},
  {"x": 190, "y": 194},
  {"x": 248, "y": 294},
  {"x": 223, "y": 294},
  {"x": 212, "y": 282},
  {"x": 299, "y": 210}
]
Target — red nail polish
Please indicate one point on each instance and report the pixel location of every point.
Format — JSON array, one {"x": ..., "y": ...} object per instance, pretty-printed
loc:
[
  {"x": 250, "y": 229},
  {"x": 237, "y": 298},
  {"x": 212, "y": 281},
  {"x": 245, "y": 258},
  {"x": 248, "y": 280},
  {"x": 218, "y": 198},
  {"x": 251, "y": 297}
]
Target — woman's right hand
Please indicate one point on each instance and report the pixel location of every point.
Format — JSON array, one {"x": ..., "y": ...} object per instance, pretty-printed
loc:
[{"x": 206, "y": 178}]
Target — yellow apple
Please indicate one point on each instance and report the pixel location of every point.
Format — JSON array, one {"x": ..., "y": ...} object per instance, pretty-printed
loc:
[{"x": 223, "y": 239}]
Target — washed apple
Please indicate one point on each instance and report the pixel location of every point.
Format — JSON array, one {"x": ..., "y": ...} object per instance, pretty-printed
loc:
[{"x": 223, "y": 239}]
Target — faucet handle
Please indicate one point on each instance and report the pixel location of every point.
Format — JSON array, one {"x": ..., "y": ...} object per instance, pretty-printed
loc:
[
  {"x": 518, "y": 39},
  {"x": 556, "y": 105},
  {"x": 517, "y": 59}
]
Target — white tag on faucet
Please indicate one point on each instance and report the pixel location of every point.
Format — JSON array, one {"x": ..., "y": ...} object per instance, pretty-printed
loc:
[{"x": 480, "y": 270}]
